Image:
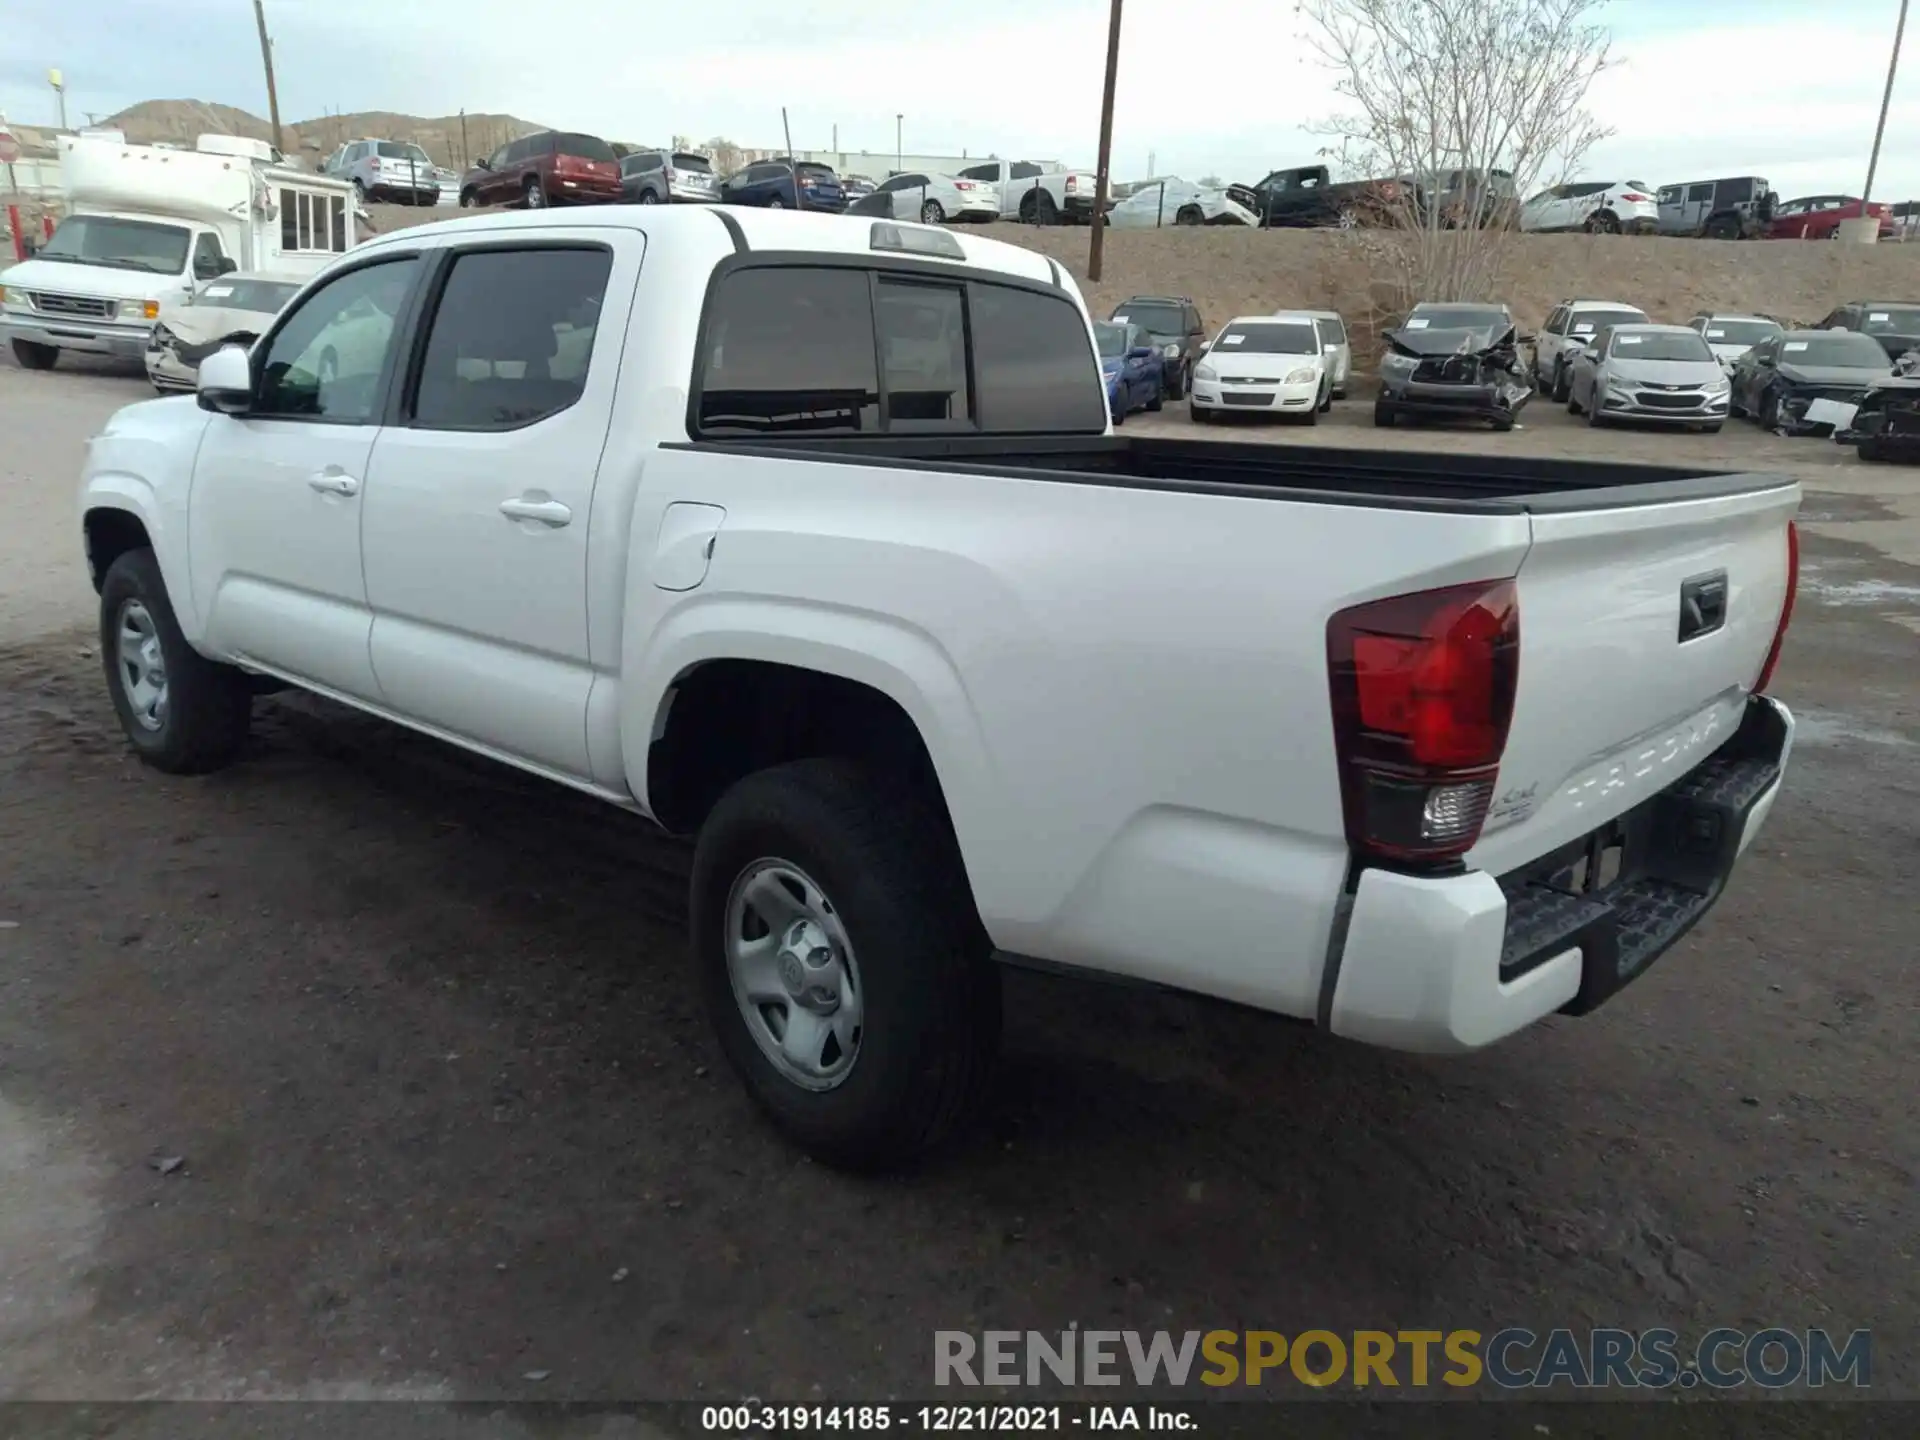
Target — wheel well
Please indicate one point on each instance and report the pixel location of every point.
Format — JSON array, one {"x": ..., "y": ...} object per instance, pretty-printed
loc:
[
  {"x": 727, "y": 719},
  {"x": 111, "y": 534}
]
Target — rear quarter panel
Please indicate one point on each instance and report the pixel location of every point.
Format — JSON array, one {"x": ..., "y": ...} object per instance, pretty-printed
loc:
[{"x": 1124, "y": 691}]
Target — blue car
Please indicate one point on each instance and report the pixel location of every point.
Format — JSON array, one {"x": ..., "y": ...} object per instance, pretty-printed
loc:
[
  {"x": 782, "y": 185},
  {"x": 1134, "y": 370}
]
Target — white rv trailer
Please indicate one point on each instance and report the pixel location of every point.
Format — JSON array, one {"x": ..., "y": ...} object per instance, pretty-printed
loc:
[{"x": 147, "y": 225}]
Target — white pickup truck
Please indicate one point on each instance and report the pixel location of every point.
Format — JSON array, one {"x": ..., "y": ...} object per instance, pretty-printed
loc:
[
  {"x": 1038, "y": 194},
  {"x": 808, "y": 537}
]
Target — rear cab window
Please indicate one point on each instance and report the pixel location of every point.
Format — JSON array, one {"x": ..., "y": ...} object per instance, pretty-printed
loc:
[{"x": 821, "y": 349}]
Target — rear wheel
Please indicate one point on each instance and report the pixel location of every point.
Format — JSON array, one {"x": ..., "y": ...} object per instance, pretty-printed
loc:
[
  {"x": 931, "y": 213},
  {"x": 533, "y": 194},
  {"x": 1189, "y": 215},
  {"x": 1573, "y": 403},
  {"x": 776, "y": 203},
  {"x": 1159, "y": 396},
  {"x": 647, "y": 197},
  {"x": 1383, "y": 415},
  {"x": 1502, "y": 424},
  {"x": 30, "y": 355},
  {"x": 844, "y": 970},
  {"x": 181, "y": 712},
  {"x": 1605, "y": 223},
  {"x": 1723, "y": 227}
]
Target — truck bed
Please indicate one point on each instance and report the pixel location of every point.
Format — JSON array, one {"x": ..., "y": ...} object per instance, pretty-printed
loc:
[{"x": 1331, "y": 474}]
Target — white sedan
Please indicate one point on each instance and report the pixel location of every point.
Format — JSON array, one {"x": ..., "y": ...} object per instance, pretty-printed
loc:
[
  {"x": 937, "y": 199},
  {"x": 1173, "y": 201},
  {"x": 1264, "y": 364},
  {"x": 243, "y": 303}
]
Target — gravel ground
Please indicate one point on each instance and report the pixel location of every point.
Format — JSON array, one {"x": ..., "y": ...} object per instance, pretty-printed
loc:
[{"x": 419, "y": 1032}]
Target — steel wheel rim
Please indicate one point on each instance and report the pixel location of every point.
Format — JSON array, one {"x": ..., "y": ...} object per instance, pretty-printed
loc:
[
  {"x": 793, "y": 974},
  {"x": 141, "y": 666}
]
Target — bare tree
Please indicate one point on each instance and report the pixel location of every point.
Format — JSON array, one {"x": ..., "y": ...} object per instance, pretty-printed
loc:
[
  {"x": 1468, "y": 105},
  {"x": 724, "y": 153}
]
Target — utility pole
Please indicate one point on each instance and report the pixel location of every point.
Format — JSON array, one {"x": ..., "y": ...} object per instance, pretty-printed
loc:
[
  {"x": 1893, "y": 62},
  {"x": 1106, "y": 146},
  {"x": 59, "y": 94},
  {"x": 899, "y": 154},
  {"x": 266, "y": 58}
]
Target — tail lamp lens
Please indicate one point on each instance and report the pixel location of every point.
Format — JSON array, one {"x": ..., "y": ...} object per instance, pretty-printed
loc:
[
  {"x": 1423, "y": 688},
  {"x": 1786, "y": 610}
]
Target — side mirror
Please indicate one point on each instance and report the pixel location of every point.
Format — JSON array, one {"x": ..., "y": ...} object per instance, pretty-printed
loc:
[
  {"x": 1205, "y": 346},
  {"x": 228, "y": 265},
  {"x": 483, "y": 164},
  {"x": 225, "y": 383}
]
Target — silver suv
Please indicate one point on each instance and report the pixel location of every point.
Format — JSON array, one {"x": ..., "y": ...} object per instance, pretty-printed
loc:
[
  {"x": 667, "y": 177},
  {"x": 392, "y": 170}
]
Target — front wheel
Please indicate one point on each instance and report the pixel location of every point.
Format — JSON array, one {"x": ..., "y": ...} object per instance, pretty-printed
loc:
[
  {"x": 468, "y": 200},
  {"x": 1199, "y": 414},
  {"x": 30, "y": 355},
  {"x": 647, "y": 197},
  {"x": 1562, "y": 382},
  {"x": 533, "y": 194},
  {"x": 1770, "y": 411},
  {"x": 1383, "y": 416},
  {"x": 846, "y": 975},
  {"x": 182, "y": 713}
]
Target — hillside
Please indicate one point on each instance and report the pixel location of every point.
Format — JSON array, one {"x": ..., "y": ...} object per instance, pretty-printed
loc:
[{"x": 180, "y": 121}]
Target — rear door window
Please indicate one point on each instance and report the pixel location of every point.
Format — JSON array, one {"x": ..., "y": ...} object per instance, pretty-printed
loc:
[
  {"x": 1033, "y": 363},
  {"x": 511, "y": 338},
  {"x": 1697, "y": 193}
]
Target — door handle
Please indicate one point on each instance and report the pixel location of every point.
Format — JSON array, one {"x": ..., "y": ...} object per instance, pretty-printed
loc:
[
  {"x": 334, "y": 482},
  {"x": 548, "y": 512}
]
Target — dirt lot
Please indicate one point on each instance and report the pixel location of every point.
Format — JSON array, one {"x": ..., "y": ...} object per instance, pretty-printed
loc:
[
  {"x": 1232, "y": 272},
  {"x": 419, "y": 1031}
]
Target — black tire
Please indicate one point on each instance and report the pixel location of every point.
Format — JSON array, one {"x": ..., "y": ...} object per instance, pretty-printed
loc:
[
  {"x": 1605, "y": 223},
  {"x": 1178, "y": 384},
  {"x": 1502, "y": 425},
  {"x": 1326, "y": 401},
  {"x": 932, "y": 213},
  {"x": 647, "y": 197},
  {"x": 1769, "y": 410},
  {"x": 1723, "y": 227},
  {"x": 1595, "y": 420},
  {"x": 1872, "y": 451},
  {"x": 1159, "y": 396},
  {"x": 1199, "y": 414},
  {"x": 533, "y": 195},
  {"x": 1121, "y": 418},
  {"x": 208, "y": 704},
  {"x": 929, "y": 989},
  {"x": 30, "y": 355},
  {"x": 1190, "y": 215},
  {"x": 1573, "y": 405},
  {"x": 468, "y": 200},
  {"x": 1037, "y": 208},
  {"x": 1713, "y": 429},
  {"x": 1312, "y": 417},
  {"x": 1562, "y": 382},
  {"x": 1734, "y": 407},
  {"x": 1383, "y": 415}
]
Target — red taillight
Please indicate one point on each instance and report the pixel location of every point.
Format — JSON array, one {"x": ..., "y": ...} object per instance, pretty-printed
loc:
[
  {"x": 670, "y": 176},
  {"x": 1786, "y": 610},
  {"x": 1423, "y": 689},
  {"x": 1634, "y": 199}
]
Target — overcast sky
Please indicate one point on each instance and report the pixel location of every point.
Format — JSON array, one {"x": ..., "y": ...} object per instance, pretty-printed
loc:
[{"x": 1787, "y": 89}]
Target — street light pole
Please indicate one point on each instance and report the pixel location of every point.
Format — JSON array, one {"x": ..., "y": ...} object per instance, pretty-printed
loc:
[
  {"x": 1106, "y": 145},
  {"x": 899, "y": 152}
]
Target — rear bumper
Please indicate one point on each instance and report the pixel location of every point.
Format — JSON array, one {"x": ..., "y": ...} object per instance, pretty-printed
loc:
[
  {"x": 583, "y": 192},
  {"x": 1448, "y": 964}
]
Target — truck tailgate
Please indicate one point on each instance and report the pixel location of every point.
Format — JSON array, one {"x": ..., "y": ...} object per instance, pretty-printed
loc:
[{"x": 1642, "y": 628}]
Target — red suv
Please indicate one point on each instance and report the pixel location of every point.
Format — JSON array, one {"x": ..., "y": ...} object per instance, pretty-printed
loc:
[{"x": 551, "y": 168}]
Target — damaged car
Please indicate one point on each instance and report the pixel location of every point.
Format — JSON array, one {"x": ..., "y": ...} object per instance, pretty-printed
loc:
[
  {"x": 1453, "y": 361},
  {"x": 1172, "y": 201},
  {"x": 232, "y": 310},
  {"x": 1807, "y": 382},
  {"x": 1886, "y": 426}
]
